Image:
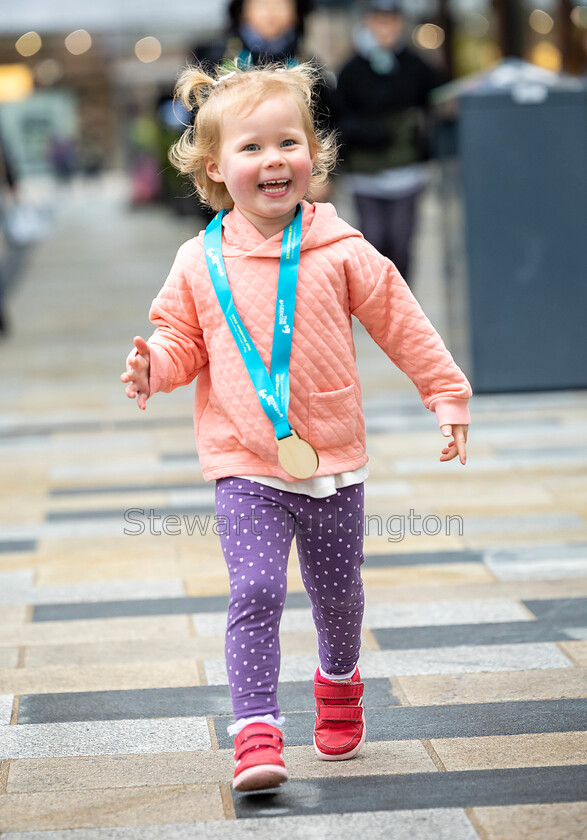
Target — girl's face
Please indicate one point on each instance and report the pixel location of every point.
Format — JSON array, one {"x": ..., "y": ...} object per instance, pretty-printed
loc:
[
  {"x": 264, "y": 160},
  {"x": 270, "y": 18}
]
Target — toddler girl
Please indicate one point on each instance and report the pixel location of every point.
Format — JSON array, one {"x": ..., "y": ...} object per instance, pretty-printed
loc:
[{"x": 278, "y": 416}]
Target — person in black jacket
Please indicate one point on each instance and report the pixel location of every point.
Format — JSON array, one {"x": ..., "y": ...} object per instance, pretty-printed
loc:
[
  {"x": 381, "y": 98},
  {"x": 260, "y": 31}
]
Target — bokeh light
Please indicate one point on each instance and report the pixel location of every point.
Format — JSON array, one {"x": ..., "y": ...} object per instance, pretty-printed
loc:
[
  {"x": 476, "y": 24},
  {"x": 541, "y": 22},
  {"x": 29, "y": 44},
  {"x": 148, "y": 49},
  {"x": 579, "y": 16},
  {"x": 78, "y": 42},
  {"x": 428, "y": 36},
  {"x": 547, "y": 55},
  {"x": 48, "y": 72},
  {"x": 16, "y": 82}
]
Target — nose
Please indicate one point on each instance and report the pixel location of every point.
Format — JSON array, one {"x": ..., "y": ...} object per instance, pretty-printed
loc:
[{"x": 273, "y": 158}]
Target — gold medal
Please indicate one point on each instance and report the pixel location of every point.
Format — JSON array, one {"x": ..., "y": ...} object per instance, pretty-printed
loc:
[{"x": 297, "y": 456}]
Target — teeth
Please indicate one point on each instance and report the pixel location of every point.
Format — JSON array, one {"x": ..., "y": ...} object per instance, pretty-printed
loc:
[{"x": 277, "y": 185}]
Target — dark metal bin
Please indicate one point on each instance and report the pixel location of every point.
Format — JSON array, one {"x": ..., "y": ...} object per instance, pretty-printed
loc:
[{"x": 521, "y": 137}]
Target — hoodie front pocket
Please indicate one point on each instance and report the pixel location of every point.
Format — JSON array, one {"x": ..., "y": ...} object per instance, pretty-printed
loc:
[{"x": 333, "y": 417}]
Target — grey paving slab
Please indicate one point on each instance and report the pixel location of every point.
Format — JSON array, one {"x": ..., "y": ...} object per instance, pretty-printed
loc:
[
  {"x": 113, "y": 737},
  {"x": 529, "y": 523},
  {"x": 424, "y": 558},
  {"x": 109, "y": 489},
  {"x": 9, "y": 546},
  {"x": 150, "y": 465},
  {"x": 15, "y": 584},
  {"x": 390, "y": 615},
  {"x": 484, "y": 464},
  {"x": 64, "y": 427},
  {"x": 462, "y": 720},
  {"x": 387, "y": 490},
  {"x": 538, "y": 552},
  {"x": 475, "y": 611},
  {"x": 188, "y": 701},
  {"x": 425, "y": 824},
  {"x": 119, "y": 514},
  {"x": 83, "y": 593},
  {"x": 562, "y": 611},
  {"x": 460, "y": 659},
  {"x": 6, "y": 701},
  {"x": 539, "y": 453},
  {"x": 498, "y": 633},
  {"x": 577, "y": 633},
  {"x": 540, "y": 568},
  {"x": 149, "y": 606},
  {"x": 466, "y": 789}
]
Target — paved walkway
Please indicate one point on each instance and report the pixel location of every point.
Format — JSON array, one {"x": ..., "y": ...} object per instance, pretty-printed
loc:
[{"x": 113, "y": 695}]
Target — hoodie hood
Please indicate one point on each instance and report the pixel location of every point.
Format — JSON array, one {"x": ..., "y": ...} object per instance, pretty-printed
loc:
[{"x": 321, "y": 225}]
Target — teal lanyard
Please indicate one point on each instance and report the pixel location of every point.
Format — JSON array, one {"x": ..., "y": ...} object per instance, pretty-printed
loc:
[
  {"x": 272, "y": 389},
  {"x": 244, "y": 61}
]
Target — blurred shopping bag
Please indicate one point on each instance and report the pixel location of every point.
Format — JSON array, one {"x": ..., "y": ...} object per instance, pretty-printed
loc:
[{"x": 25, "y": 224}]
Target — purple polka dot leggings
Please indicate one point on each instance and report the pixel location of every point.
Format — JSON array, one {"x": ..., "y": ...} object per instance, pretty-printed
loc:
[{"x": 257, "y": 524}]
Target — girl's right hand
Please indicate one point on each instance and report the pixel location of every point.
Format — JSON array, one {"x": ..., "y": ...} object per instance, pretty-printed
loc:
[{"x": 137, "y": 373}]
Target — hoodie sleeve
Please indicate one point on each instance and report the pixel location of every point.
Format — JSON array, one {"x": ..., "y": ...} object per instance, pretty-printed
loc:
[
  {"x": 383, "y": 303},
  {"x": 177, "y": 346}
]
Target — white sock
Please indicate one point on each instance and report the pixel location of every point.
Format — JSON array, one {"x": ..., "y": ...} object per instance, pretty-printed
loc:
[
  {"x": 337, "y": 677},
  {"x": 240, "y": 724}
]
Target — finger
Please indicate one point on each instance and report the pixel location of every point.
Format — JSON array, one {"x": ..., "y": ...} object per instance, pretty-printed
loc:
[
  {"x": 448, "y": 454},
  {"x": 446, "y": 430},
  {"x": 142, "y": 401},
  {"x": 462, "y": 451},
  {"x": 141, "y": 345}
]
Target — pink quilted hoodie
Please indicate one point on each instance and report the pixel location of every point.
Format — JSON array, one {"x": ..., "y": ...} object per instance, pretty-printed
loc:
[{"x": 340, "y": 275}]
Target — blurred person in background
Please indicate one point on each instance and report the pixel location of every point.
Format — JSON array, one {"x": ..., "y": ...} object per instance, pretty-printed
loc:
[
  {"x": 7, "y": 190},
  {"x": 260, "y": 31},
  {"x": 381, "y": 98}
]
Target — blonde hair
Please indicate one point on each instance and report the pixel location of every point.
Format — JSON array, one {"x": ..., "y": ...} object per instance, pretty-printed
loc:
[{"x": 211, "y": 96}]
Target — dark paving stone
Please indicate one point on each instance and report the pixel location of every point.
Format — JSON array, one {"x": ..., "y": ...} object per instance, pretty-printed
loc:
[
  {"x": 45, "y": 429},
  {"x": 159, "y": 487},
  {"x": 150, "y": 521},
  {"x": 498, "y": 633},
  {"x": 124, "y": 705},
  {"x": 424, "y": 558},
  {"x": 414, "y": 791},
  {"x": 565, "y": 612},
  {"x": 17, "y": 545},
  {"x": 404, "y": 723},
  {"x": 146, "y": 606},
  {"x": 169, "y": 457},
  {"x": 169, "y": 702}
]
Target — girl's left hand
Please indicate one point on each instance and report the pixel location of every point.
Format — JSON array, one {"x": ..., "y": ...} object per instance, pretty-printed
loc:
[{"x": 457, "y": 446}]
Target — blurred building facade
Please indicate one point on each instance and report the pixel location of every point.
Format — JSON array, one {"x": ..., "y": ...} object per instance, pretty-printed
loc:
[{"x": 87, "y": 78}]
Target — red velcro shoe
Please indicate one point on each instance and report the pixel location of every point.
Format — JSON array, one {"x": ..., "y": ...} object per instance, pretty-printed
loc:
[
  {"x": 257, "y": 755},
  {"x": 340, "y": 720}
]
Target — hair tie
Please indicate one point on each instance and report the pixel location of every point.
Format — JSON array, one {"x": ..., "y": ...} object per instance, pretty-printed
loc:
[{"x": 224, "y": 78}]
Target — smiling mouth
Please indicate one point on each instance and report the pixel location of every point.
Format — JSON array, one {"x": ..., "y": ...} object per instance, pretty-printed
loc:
[{"x": 274, "y": 187}]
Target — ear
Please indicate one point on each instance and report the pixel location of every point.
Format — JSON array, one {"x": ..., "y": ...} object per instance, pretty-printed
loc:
[{"x": 213, "y": 171}]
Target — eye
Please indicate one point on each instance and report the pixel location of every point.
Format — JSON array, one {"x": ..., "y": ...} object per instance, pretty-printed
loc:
[
  {"x": 289, "y": 142},
  {"x": 251, "y": 147}
]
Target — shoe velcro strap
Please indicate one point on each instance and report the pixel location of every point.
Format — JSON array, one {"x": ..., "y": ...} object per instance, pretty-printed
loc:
[
  {"x": 253, "y": 742},
  {"x": 259, "y": 738},
  {"x": 350, "y": 713},
  {"x": 338, "y": 692}
]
